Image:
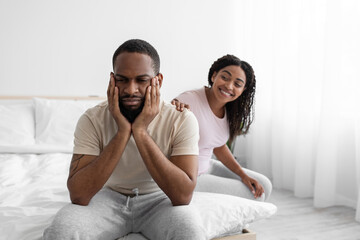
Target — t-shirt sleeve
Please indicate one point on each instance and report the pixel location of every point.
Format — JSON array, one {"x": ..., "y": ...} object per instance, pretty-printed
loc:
[
  {"x": 86, "y": 140},
  {"x": 186, "y": 136}
]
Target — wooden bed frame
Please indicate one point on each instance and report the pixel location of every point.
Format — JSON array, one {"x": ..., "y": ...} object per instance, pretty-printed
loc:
[{"x": 246, "y": 235}]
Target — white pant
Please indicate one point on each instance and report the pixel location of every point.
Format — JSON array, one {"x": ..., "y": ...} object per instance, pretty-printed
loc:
[
  {"x": 111, "y": 215},
  {"x": 221, "y": 180}
]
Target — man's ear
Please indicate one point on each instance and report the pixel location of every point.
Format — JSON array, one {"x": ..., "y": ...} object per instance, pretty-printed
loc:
[{"x": 160, "y": 78}]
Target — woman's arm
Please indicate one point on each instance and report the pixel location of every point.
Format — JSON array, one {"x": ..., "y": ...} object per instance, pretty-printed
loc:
[{"x": 224, "y": 155}]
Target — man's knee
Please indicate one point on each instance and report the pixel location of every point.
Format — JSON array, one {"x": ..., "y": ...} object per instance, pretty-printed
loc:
[
  {"x": 180, "y": 223},
  {"x": 188, "y": 224},
  {"x": 186, "y": 231},
  {"x": 68, "y": 223}
]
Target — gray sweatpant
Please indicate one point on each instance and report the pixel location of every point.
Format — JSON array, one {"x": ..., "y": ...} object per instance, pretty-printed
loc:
[
  {"x": 222, "y": 180},
  {"x": 111, "y": 215}
]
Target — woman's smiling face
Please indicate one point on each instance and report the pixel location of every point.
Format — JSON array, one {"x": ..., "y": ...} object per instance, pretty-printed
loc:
[{"x": 228, "y": 83}]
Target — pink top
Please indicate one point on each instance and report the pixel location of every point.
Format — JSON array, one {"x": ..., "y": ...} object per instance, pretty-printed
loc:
[{"x": 214, "y": 131}]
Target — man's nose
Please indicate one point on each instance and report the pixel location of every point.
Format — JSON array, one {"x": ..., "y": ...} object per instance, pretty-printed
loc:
[{"x": 132, "y": 87}]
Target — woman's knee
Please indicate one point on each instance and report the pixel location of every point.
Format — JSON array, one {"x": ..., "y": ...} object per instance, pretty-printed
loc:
[
  {"x": 267, "y": 185},
  {"x": 263, "y": 180}
]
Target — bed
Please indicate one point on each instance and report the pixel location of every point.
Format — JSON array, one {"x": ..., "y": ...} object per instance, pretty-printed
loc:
[{"x": 35, "y": 152}]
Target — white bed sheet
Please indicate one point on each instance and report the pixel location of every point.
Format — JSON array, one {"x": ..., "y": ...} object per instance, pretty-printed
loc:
[
  {"x": 32, "y": 190},
  {"x": 36, "y": 148}
]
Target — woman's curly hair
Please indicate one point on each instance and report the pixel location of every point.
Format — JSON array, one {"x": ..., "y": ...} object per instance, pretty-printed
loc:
[{"x": 240, "y": 112}]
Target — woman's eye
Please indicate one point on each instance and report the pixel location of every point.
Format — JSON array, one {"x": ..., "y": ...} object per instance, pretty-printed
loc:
[
  {"x": 238, "y": 85},
  {"x": 224, "y": 78}
]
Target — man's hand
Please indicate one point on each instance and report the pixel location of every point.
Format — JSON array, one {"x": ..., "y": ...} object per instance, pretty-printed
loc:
[
  {"x": 113, "y": 100},
  {"x": 151, "y": 107}
]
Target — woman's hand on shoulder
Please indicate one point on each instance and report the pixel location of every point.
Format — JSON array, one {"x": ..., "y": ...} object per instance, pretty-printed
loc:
[{"x": 179, "y": 105}]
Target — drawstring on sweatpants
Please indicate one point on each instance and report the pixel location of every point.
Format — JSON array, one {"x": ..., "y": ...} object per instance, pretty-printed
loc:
[
  {"x": 127, "y": 201},
  {"x": 136, "y": 191}
]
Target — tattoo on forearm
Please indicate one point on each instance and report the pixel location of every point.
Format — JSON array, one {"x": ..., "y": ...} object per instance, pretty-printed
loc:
[{"x": 75, "y": 162}]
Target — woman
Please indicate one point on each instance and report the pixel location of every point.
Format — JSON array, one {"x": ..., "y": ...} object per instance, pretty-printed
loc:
[{"x": 224, "y": 111}]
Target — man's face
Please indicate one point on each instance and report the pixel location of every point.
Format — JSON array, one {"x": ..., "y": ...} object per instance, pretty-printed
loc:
[{"x": 133, "y": 73}]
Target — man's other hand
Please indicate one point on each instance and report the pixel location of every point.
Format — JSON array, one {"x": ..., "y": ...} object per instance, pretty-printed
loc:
[
  {"x": 151, "y": 106},
  {"x": 113, "y": 101}
]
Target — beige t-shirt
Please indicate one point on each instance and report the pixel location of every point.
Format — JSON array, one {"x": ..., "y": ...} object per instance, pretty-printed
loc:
[{"x": 175, "y": 133}]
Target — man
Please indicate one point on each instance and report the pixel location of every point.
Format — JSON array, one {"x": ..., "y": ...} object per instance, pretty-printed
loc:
[{"x": 134, "y": 161}]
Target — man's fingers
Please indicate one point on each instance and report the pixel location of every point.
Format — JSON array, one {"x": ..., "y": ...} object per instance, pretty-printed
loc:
[
  {"x": 148, "y": 96},
  {"x": 111, "y": 87},
  {"x": 108, "y": 89},
  {"x": 157, "y": 92},
  {"x": 116, "y": 98},
  {"x": 153, "y": 91}
]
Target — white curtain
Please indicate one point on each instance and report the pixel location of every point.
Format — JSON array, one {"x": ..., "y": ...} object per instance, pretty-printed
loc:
[{"x": 305, "y": 137}]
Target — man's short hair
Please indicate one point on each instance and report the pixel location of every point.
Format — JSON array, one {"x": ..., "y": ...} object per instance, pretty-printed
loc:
[{"x": 139, "y": 46}]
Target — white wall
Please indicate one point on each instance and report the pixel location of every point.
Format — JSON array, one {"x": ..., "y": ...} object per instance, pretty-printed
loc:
[{"x": 65, "y": 47}]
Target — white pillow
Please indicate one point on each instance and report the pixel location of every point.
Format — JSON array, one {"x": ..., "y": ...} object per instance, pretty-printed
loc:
[
  {"x": 56, "y": 119},
  {"x": 224, "y": 215},
  {"x": 17, "y": 123}
]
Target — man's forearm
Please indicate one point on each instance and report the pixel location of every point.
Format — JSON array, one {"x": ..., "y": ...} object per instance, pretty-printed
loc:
[
  {"x": 88, "y": 175},
  {"x": 176, "y": 183}
]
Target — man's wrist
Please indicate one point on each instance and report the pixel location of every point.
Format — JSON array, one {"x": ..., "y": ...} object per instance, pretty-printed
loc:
[
  {"x": 139, "y": 132},
  {"x": 122, "y": 134}
]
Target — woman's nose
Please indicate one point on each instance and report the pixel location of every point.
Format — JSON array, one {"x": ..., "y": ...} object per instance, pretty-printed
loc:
[{"x": 229, "y": 85}]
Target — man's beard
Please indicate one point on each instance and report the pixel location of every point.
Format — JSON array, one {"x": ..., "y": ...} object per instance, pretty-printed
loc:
[{"x": 130, "y": 115}]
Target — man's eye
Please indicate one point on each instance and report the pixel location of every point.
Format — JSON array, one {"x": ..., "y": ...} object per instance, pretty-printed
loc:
[{"x": 143, "y": 80}]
